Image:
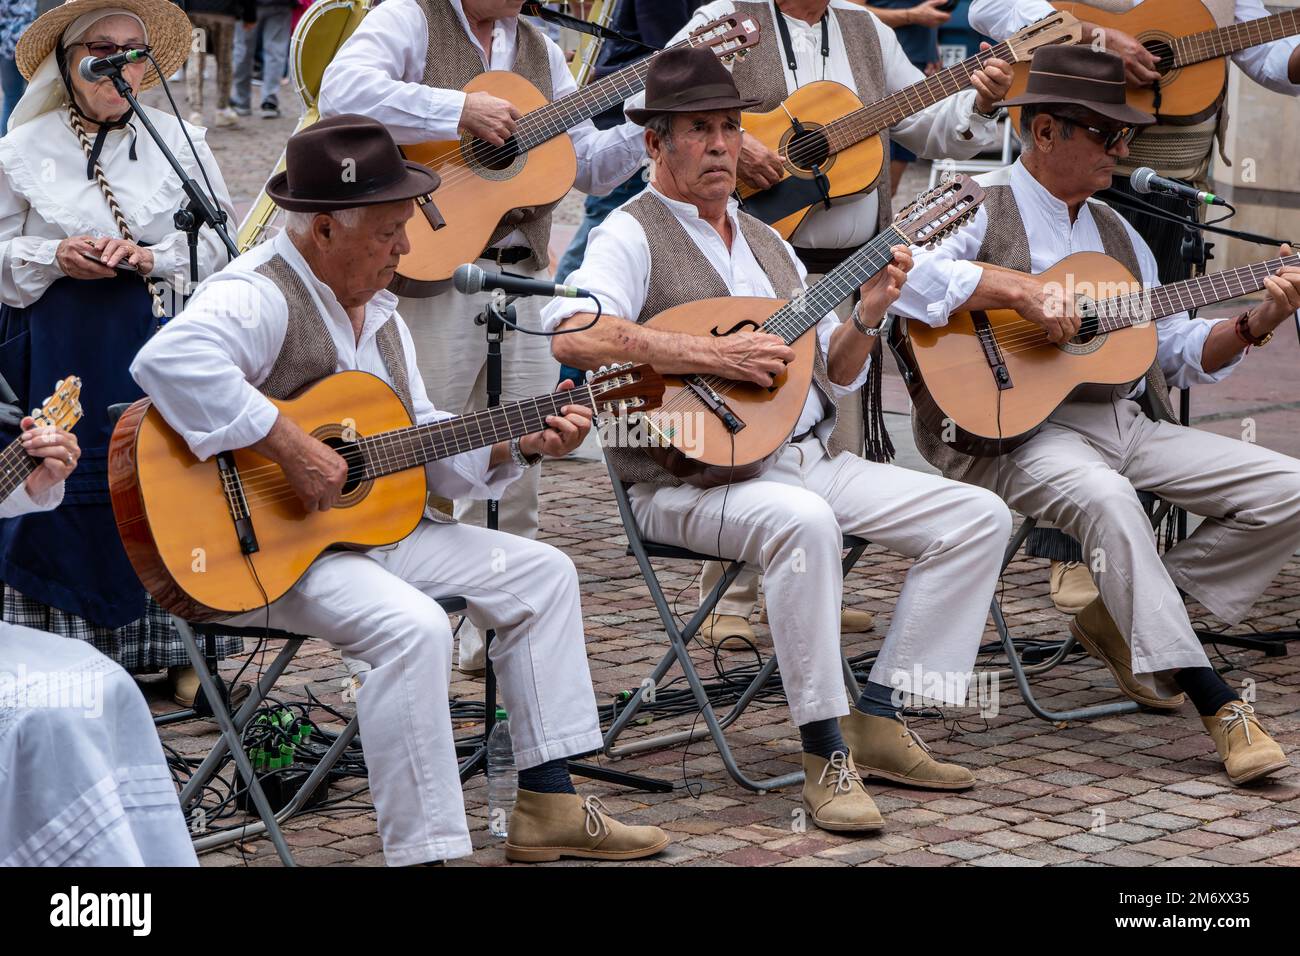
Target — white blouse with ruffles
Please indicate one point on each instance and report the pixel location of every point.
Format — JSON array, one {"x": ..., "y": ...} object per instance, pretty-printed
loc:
[{"x": 45, "y": 197}]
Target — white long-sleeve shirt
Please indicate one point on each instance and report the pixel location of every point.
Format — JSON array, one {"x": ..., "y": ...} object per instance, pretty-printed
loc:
[
  {"x": 202, "y": 368},
  {"x": 378, "y": 73},
  {"x": 20, "y": 502},
  {"x": 949, "y": 128},
  {"x": 1265, "y": 64},
  {"x": 45, "y": 197},
  {"x": 617, "y": 270},
  {"x": 943, "y": 279}
]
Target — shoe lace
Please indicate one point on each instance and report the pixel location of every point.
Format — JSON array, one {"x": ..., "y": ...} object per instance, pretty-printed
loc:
[
  {"x": 1238, "y": 713},
  {"x": 595, "y": 823},
  {"x": 915, "y": 738},
  {"x": 845, "y": 774}
]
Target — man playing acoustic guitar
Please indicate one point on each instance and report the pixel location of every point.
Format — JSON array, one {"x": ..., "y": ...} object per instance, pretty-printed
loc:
[
  {"x": 1082, "y": 470},
  {"x": 681, "y": 241},
  {"x": 310, "y": 303}
]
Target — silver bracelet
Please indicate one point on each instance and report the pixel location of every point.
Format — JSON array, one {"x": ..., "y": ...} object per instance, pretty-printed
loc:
[
  {"x": 858, "y": 324},
  {"x": 518, "y": 456}
]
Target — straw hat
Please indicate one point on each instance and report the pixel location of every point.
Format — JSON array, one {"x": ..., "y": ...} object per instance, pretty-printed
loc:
[{"x": 169, "y": 34}]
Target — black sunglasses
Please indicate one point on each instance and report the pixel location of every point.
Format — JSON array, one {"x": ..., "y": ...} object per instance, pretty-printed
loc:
[
  {"x": 102, "y": 48},
  {"x": 1110, "y": 138}
]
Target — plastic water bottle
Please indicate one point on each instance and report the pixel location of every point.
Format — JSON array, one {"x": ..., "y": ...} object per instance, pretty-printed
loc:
[{"x": 502, "y": 779}]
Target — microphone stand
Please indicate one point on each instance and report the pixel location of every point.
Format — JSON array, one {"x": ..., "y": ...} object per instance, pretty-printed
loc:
[
  {"x": 496, "y": 317},
  {"x": 199, "y": 211}
]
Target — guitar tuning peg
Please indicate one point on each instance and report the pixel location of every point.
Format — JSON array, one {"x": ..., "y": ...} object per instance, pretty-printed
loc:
[{"x": 589, "y": 375}]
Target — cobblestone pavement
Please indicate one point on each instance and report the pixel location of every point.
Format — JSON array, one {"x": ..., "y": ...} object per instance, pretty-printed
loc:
[{"x": 1137, "y": 789}]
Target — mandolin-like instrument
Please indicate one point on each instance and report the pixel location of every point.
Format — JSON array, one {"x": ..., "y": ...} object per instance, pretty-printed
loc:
[
  {"x": 830, "y": 144},
  {"x": 62, "y": 410},
  {"x": 987, "y": 381},
  {"x": 1190, "y": 48},
  {"x": 213, "y": 538},
  {"x": 482, "y": 183},
  {"x": 712, "y": 431}
]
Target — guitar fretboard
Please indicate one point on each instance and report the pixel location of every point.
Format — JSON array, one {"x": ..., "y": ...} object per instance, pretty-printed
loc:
[
  {"x": 806, "y": 309},
  {"x": 15, "y": 466},
  {"x": 394, "y": 451},
  {"x": 1238, "y": 36},
  {"x": 1122, "y": 311},
  {"x": 871, "y": 119}
]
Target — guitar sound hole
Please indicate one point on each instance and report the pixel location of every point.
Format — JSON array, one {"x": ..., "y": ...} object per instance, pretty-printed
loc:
[
  {"x": 350, "y": 454},
  {"x": 1163, "y": 52},
  {"x": 1088, "y": 330},
  {"x": 496, "y": 158},
  {"x": 808, "y": 149}
]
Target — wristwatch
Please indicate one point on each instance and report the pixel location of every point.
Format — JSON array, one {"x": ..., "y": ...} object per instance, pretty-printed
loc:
[
  {"x": 1242, "y": 328},
  {"x": 996, "y": 114},
  {"x": 860, "y": 325},
  {"x": 518, "y": 456}
]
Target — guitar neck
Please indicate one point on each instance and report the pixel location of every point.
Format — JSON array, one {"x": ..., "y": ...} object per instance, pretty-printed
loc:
[
  {"x": 15, "y": 466},
  {"x": 1238, "y": 36},
  {"x": 390, "y": 452},
  {"x": 882, "y": 114},
  {"x": 547, "y": 122},
  {"x": 1119, "y": 312},
  {"x": 805, "y": 310}
]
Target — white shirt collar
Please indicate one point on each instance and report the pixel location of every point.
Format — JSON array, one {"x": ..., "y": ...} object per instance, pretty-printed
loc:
[
  {"x": 688, "y": 211},
  {"x": 507, "y": 28},
  {"x": 378, "y": 310},
  {"x": 1028, "y": 188}
]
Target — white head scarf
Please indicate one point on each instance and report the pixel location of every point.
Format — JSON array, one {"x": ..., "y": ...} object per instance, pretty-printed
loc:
[{"x": 45, "y": 90}]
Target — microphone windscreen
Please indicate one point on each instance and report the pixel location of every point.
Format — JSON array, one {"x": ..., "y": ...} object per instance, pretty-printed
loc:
[
  {"x": 467, "y": 279},
  {"x": 84, "y": 69},
  {"x": 1141, "y": 179}
]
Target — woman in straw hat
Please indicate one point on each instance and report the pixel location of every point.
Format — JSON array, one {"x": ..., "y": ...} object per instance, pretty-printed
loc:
[{"x": 89, "y": 261}]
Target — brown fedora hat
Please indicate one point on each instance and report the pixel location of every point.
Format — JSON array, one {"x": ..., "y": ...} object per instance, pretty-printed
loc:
[
  {"x": 1084, "y": 77},
  {"x": 688, "y": 80},
  {"x": 343, "y": 162}
]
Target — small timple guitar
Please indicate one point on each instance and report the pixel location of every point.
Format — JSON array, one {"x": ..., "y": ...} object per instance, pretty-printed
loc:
[
  {"x": 987, "y": 381},
  {"x": 830, "y": 144},
  {"x": 209, "y": 539},
  {"x": 482, "y": 183},
  {"x": 62, "y": 410},
  {"x": 1190, "y": 48},
  {"x": 740, "y": 424}
]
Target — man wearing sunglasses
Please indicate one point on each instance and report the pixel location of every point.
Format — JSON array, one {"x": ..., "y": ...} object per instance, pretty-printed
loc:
[{"x": 1081, "y": 469}]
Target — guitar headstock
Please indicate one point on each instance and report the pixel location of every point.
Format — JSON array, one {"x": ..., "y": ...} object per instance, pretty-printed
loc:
[
  {"x": 625, "y": 389},
  {"x": 1057, "y": 27},
  {"x": 934, "y": 214},
  {"x": 728, "y": 36},
  {"x": 63, "y": 408}
]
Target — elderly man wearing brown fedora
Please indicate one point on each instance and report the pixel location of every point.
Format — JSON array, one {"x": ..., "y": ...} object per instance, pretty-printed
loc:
[
  {"x": 312, "y": 302},
  {"x": 1080, "y": 471},
  {"x": 683, "y": 240}
]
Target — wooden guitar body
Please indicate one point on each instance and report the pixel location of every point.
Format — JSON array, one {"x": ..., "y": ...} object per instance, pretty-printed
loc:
[
  {"x": 176, "y": 523},
  {"x": 955, "y": 388},
  {"x": 481, "y": 185},
  {"x": 850, "y": 170},
  {"x": 704, "y": 451},
  {"x": 1185, "y": 94}
]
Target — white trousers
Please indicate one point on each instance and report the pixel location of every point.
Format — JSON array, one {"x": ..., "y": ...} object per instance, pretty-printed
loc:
[
  {"x": 452, "y": 355},
  {"x": 82, "y": 773},
  {"x": 378, "y": 607},
  {"x": 790, "y": 524},
  {"x": 1080, "y": 473}
]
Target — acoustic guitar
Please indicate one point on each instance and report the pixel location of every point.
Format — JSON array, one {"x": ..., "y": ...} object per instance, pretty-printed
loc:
[
  {"x": 63, "y": 410},
  {"x": 830, "y": 145},
  {"x": 482, "y": 183},
  {"x": 209, "y": 539},
  {"x": 1190, "y": 48},
  {"x": 987, "y": 381},
  {"x": 712, "y": 431}
]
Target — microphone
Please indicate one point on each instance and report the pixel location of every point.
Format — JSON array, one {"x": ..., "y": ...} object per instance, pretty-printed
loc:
[
  {"x": 1145, "y": 181},
  {"x": 469, "y": 279},
  {"x": 96, "y": 68}
]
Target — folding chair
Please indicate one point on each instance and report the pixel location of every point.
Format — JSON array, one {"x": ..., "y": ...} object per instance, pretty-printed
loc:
[
  {"x": 679, "y": 640},
  {"x": 232, "y": 727}
]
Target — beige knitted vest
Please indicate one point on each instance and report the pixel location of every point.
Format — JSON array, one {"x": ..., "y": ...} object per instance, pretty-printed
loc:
[
  {"x": 680, "y": 273},
  {"x": 760, "y": 74},
  {"x": 451, "y": 61}
]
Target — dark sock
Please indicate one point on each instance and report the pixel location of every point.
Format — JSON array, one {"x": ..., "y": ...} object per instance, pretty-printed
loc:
[
  {"x": 1207, "y": 690},
  {"x": 549, "y": 777},
  {"x": 822, "y": 737},
  {"x": 878, "y": 701}
]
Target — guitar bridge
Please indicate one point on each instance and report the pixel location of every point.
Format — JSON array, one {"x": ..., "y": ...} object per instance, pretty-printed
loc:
[
  {"x": 714, "y": 402},
  {"x": 233, "y": 486},
  {"x": 992, "y": 351}
]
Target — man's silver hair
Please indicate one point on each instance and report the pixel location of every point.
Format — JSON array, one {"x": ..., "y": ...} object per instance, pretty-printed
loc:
[
  {"x": 661, "y": 124},
  {"x": 299, "y": 223}
]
